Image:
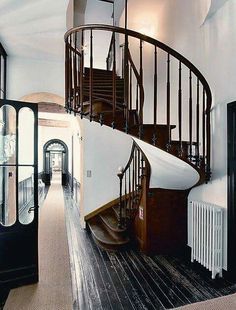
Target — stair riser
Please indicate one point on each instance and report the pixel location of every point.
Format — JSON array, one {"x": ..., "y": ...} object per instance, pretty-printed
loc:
[
  {"x": 113, "y": 232},
  {"x": 113, "y": 248}
]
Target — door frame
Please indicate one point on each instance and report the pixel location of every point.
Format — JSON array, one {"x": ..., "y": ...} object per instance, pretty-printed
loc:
[{"x": 65, "y": 172}]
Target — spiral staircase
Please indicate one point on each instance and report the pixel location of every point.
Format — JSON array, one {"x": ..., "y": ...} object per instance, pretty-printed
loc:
[{"x": 168, "y": 121}]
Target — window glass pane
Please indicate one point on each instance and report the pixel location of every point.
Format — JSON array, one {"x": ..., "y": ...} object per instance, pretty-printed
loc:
[
  {"x": 26, "y": 136},
  {"x": 7, "y": 195},
  {"x": 7, "y": 135},
  {"x": 2, "y": 77},
  {"x": 26, "y": 194}
]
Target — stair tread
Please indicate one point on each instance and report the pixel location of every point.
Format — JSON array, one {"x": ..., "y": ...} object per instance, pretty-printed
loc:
[
  {"x": 98, "y": 70},
  {"x": 102, "y": 234},
  {"x": 102, "y": 81},
  {"x": 183, "y": 142},
  {"x": 158, "y": 125},
  {"x": 116, "y": 209},
  {"x": 110, "y": 219},
  {"x": 102, "y": 88}
]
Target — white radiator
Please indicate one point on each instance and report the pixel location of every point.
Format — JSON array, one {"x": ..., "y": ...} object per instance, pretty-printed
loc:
[{"x": 207, "y": 236}]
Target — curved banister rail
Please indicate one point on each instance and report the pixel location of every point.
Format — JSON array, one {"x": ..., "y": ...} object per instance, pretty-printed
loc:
[
  {"x": 148, "y": 39},
  {"x": 134, "y": 183},
  {"x": 190, "y": 116}
]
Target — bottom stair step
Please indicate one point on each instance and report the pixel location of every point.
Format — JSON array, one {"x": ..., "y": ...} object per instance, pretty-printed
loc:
[
  {"x": 105, "y": 238},
  {"x": 110, "y": 219}
]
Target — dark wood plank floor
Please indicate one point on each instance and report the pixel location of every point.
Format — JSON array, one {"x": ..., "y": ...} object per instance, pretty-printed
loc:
[{"x": 130, "y": 279}]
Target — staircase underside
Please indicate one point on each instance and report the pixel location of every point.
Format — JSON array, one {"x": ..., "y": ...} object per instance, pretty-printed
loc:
[
  {"x": 161, "y": 228},
  {"x": 168, "y": 171}
]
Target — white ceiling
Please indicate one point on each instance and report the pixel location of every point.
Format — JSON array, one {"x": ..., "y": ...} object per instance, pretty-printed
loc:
[{"x": 33, "y": 28}]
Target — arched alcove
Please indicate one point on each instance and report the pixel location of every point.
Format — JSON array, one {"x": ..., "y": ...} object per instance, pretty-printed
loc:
[
  {"x": 55, "y": 158},
  {"x": 43, "y": 97}
]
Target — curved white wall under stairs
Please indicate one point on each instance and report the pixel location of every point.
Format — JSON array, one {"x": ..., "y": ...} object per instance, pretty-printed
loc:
[{"x": 168, "y": 171}]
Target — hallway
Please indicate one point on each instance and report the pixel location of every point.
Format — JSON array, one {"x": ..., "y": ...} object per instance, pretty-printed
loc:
[{"x": 54, "y": 288}]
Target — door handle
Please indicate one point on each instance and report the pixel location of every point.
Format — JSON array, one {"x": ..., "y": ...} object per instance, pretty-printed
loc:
[{"x": 31, "y": 209}]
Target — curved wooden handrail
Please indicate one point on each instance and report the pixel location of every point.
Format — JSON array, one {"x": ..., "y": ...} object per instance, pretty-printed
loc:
[
  {"x": 135, "y": 145},
  {"x": 132, "y": 185},
  {"x": 152, "y": 41},
  {"x": 194, "y": 111}
]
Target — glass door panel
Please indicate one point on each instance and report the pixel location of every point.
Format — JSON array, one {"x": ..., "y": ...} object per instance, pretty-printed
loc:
[
  {"x": 7, "y": 195},
  {"x": 26, "y": 136},
  {"x": 7, "y": 135},
  {"x": 26, "y": 194}
]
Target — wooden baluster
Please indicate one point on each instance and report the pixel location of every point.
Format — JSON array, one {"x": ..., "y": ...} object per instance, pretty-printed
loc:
[
  {"x": 137, "y": 101},
  {"x": 75, "y": 75},
  {"x": 70, "y": 75},
  {"x": 82, "y": 75},
  {"x": 203, "y": 127},
  {"x": 197, "y": 124},
  {"x": 190, "y": 115},
  {"x": 138, "y": 167},
  {"x": 142, "y": 165},
  {"x": 78, "y": 61},
  {"x": 66, "y": 74},
  {"x": 114, "y": 79},
  {"x": 208, "y": 141},
  {"x": 122, "y": 62},
  {"x": 129, "y": 192},
  {"x": 168, "y": 102},
  {"x": 133, "y": 185},
  {"x": 125, "y": 201},
  {"x": 136, "y": 177},
  {"x": 136, "y": 170},
  {"x": 180, "y": 110},
  {"x": 154, "y": 138},
  {"x": 2, "y": 60},
  {"x": 140, "y": 95},
  {"x": 120, "y": 222},
  {"x": 126, "y": 83},
  {"x": 91, "y": 76},
  {"x": 130, "y": 88}
]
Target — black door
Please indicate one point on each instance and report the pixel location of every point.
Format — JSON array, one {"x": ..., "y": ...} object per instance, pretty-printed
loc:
[
  {"x": 232, "y": 189},
  {"x": 18, "y": 193}
]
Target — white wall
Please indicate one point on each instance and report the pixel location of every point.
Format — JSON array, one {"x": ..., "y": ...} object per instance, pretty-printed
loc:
[
  {"x": 26, "y": 76},
  {"x": 105, "y": 150},
  {"x": 98, "y": 13},
  {"x": 211, "y": 47},
  {"x": 70, "y": 15}
]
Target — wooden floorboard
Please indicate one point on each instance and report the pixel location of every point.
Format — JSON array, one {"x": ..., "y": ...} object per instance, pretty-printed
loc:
[{"x": 130, "y": 280}]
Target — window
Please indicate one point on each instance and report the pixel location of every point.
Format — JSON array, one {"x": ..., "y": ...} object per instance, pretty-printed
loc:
[{"x": 3, "y": 67}]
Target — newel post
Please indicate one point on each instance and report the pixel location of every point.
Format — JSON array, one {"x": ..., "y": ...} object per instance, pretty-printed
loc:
[{"x": 120, "y": 175}]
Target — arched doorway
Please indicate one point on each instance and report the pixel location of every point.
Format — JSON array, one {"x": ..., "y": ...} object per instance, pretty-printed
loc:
[{"x": 55, "y": 160}]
